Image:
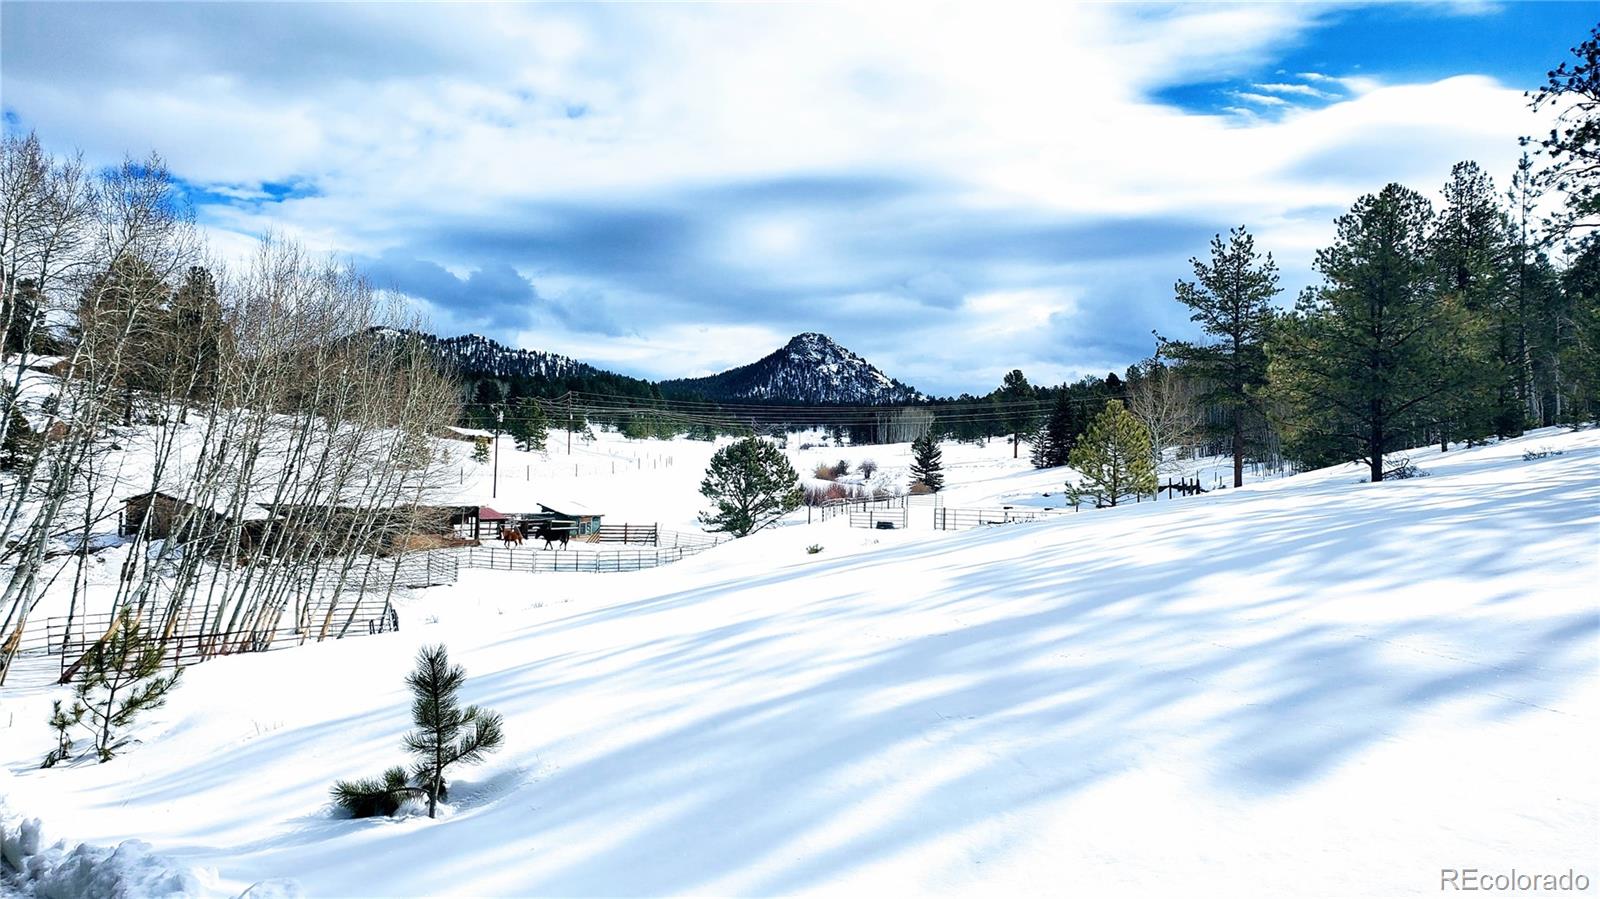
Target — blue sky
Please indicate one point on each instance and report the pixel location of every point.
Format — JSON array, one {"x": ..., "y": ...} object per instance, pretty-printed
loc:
[{"x": 670, "y": 190}]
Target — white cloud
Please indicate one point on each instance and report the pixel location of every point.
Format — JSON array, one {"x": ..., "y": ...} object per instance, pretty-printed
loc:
[{"x": 409, "y": 121}]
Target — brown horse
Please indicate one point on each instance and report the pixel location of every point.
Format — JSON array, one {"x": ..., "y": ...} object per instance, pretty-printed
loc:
[{"x": 510, "y": 537}]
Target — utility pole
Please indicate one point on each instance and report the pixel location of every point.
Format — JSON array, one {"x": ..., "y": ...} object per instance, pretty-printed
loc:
[
  {"x": 570, "y": 423},
  {"x": 494, "y": 485}
]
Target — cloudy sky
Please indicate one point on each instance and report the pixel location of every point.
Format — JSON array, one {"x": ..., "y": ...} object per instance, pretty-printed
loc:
[{"x": 668, "y": 190}]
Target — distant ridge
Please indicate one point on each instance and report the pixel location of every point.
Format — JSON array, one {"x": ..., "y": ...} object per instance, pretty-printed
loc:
[{"x": 810, "y": 369}]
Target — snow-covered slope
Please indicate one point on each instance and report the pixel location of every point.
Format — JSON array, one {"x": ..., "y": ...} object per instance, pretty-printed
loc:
[
  {"x": 1309, "y": 687},
  {"x": 810, "y": 368}
]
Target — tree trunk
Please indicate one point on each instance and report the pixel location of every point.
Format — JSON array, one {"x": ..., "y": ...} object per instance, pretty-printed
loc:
[{"x": 1238, "y": 450}]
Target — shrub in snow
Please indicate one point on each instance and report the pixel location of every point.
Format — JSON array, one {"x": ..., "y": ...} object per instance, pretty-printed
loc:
[
  {"x": 751, "y": 485},
  {"x": 1405, "y": 470},
  {"x": 814, "y": 548},
  {"x": 120, "y": 679},
  {"x": 445, "y": 735}
]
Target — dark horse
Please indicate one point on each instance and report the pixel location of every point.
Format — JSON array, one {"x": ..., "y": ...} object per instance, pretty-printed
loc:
[{"x": 549, "y": 533}]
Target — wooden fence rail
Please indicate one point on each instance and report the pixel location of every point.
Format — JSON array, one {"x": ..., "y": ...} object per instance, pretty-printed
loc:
[
  {"x": 498, "y": 559},
  {"x": 955, "y": 519}
]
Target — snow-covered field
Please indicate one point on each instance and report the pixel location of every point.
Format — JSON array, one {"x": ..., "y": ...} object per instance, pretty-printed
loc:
[{"x": 1306, "y": 687}]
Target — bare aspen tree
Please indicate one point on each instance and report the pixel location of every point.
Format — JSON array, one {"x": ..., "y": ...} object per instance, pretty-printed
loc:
[{"x": 1168, "y": 406}]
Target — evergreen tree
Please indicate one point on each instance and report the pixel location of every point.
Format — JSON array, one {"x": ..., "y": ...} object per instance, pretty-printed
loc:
[
  {"x": 927, "y": 463},
  {"x": 121, "y": 679},
  {"x": 1231, "y": 298},
  {"x": 1053, "y": 443},
  {"x": 528, "y": 426},
  {"x": 1470, "y": 254},
  {"x": 480, "y": 450},
  {"x": 21, "y": 441},
  {"x": 1360, "y": 359},
  {"x": 196, "y": 336},
  {"x": 751, "y": 484},
  {"x": 445, "y": 733},
  {"x": 1015, "y": 395},
  {"x": 1577, "y": 358},
  {"x": 1573, "y": 145},
  {"x": 22, "y": 321},
  {"x": 1113, "y": 457}
]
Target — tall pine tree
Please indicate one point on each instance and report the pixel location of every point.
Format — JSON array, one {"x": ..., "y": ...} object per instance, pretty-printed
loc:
[
  {"x": 527, "y": 425},
  {"x": 1231, "y": 298},
  {"x": 1360, "y": 359},
  {"x": 1053, "y": 442},
  {"x": 1470, "y": 257},
  {"x": 1015, "y": 395}
]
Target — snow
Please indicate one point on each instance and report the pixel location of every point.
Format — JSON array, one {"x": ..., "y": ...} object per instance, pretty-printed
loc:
[{"x": 1306, "y": 686}]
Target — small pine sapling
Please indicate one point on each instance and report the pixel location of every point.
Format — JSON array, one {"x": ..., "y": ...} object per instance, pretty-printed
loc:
[
  {"x": 62, "y": 721},
  {"x": 121, "y": 679},
  {"x": 446, "y": 733},
  {"x": 480, "y": 450}
]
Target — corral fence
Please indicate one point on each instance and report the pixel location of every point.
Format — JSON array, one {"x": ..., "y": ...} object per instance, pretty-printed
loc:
[
  {"x": 952, "y": 519},
  {"x": 833, "y": 508},
  {"x": 654, "y": 546},
  {"x": 892, "y": 517},
  {"x": 322, "y": 609},
  {"x": 193, "y": 639},
  {"x": 498, "y": 559}
]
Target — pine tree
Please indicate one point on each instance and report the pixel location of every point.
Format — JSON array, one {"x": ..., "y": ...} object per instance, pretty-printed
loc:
[
  {"x": 1015, "y": 393},
  {"x": 1114, "y": 457},
  {"x": 1469, "y": 252},
  {"x": 1231, "y": 297},
  {"x": 927, "y": 463},
  {"x": 480, "y": 450},
  {"x": 1573, "y": 145},
  {"x": 528, "y": 426},
  {"x": 445, "y": 733},
  {"x": 21, "y": 440},
  {"x": 62, "y": 721},
  {"x": 1053, "y": 443},
  {"x": 1578, "y": 352},
  {"x": 1360, "y": 360},
  {"x": 751, "y": 484},
  {"x": 121, "y": 679}
]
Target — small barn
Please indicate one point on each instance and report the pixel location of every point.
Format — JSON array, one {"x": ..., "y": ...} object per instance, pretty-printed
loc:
[
  {"x": 476, "y": 522},
  {"x": 162, "y": 514},
  {"x": 581, "y": 520}
]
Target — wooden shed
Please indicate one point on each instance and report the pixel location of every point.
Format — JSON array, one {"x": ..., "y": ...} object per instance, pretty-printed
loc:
[{"x": 161, "y": 513}]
